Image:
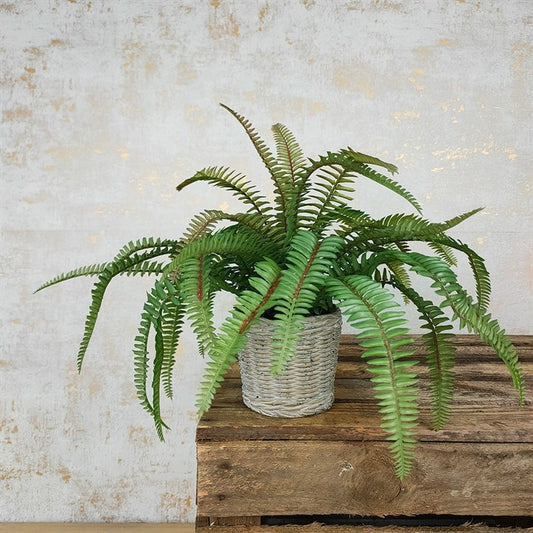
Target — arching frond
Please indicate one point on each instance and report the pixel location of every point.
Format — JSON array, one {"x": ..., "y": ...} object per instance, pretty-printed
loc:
[
  {"x": 442, "y": 251},
  {"x": 381, "y": 327},
  {"x": 87, "y": 271},
  {"x": 146, "y": 268},
  {"x": 440, "y": 354},
  {"x": 198, "y": 296},
  {"x": 290, "y": 158},
  {"x": 233, "y": 181},
  {"x": 308, "y": 262},
  {"x": 330, "y": 191},
  {"x": 122, "y": 263},
  {"x": 156, "y": 247},
  {"x": 369, "y": 160},
  {"x": 172, "y": 318},
  {"x": 471, "y": 315},
  {"x": 477, "y": 266},
  {"x": 351, "y": 162},
  {"x": 239, "y": 242},
  {"x": 159, "y": 303},
  {"x": 262, "y": 149},
  {"x": 250, "y": 304}
]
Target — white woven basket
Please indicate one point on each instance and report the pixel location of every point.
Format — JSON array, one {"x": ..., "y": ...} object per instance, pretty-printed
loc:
[{"x": 306, "y": 387}]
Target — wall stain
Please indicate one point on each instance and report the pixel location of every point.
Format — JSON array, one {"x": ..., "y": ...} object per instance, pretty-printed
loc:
[
  {"x": 8, "y": 8},
  {"x": 401, "y": 116},
  {"x": 17, "y": 114},
  {"x": 316, "y": 107},
  {"x": 28, "y": 79},
  {"x": 415, "y": 78},
  {"x": 15, "y": 158},
  {"x": 171, "y": 505},
  {"x": 263, "y": 12},
  {"x": 222, "y": 22},
  {"x": 185, "y": 73},
  {"x": 65, "y": 474},
  {"x": 138, "y": 435}
]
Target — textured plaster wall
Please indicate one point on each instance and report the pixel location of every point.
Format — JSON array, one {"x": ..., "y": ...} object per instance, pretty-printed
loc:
[{"x": 106, "y": 105}]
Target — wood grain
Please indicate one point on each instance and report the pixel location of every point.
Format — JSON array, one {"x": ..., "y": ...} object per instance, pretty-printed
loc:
[
  {"x": 336, "y": 477},
  {"x": 318, "y": 528},
  {"x": 338, "y": 463}
]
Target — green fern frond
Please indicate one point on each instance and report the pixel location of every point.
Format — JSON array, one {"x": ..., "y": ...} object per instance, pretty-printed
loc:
[
  {"x": 158, "y": 246},
  {"x": 162, "y": 296},
  {"x": 439, "y": 352},
  {"x": 240, "y": 243},
  {"x": 172, "y": 316},
  {"x": 146, "y": 268},
  {"x": 261, "y": 224},
  {"x": 90, "y": 270},
  {"x": 290, "y": 163},
  {"x": 282, "y": 190},
  {"x": 398, "y": 228},
  {"x": 249, "y": 305},
  {"x": 381, "y": 325},
  {"x": 399, "y": 272},
  {"x": 290, "y": 158},
  {"x": 444, "y": 252},
  {"x": 445, "y": 284},
  {"x": 140, "y": 355},
  {"x": 392, "y": 185},
  {"x": 233, "y": 181},
  {"x": 308, "y": 262},
  {"x": 454, "y": 221},
  {"x": 120, "y": 265},
  {"x": 352, "y": 163},
  {"x": 370, "y": 160},
  {"x": 156, "y": 380},
  {"x": 477, "y": 266},
  {"x": 202, "y": 224},
  {"x": 198, "y": 297},
  {"x": 351, "y": 220},
  {"x": 262, "y": 149},
  {"x": 330, "y": 191}
]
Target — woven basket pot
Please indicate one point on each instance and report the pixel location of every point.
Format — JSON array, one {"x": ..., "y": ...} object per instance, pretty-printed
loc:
[{"x": 306, "y": 387}]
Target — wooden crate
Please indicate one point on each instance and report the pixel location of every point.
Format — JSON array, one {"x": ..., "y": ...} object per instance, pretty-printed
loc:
[{"x": 336, "y": 465}]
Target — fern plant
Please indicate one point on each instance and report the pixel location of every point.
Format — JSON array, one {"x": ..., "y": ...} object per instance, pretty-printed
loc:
[{"x": 305, "y": 253}]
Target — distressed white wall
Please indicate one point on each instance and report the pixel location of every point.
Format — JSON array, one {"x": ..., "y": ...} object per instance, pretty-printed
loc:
[{"x": 107, "y": 105}]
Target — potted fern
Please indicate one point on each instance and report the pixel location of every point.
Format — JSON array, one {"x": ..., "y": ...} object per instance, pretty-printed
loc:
[{"x": 305, "y": 255}]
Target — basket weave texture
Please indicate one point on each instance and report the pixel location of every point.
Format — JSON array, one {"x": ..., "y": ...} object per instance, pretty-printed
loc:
[{"x": 306, "y": 386}]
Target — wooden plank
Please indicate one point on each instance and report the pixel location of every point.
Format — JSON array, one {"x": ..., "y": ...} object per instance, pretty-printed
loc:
[
  {"x": 481, "y": 412},
  {"x": 226, "y": 521},
  {"x": 485, "y": 404},
  {"x": 318, "y": 528},
  {"x": 338, "y": 477}
]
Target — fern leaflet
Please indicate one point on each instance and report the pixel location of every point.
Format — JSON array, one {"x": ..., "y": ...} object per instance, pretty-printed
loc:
[{"x": 371, "y": 310}]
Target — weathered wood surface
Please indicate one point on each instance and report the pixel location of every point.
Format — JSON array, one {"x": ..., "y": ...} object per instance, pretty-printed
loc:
[
  {"x": 339, "y": 477},
  {"x": 338, "y": 462},
  {"x": 485, "y": 403},
  {"x": 318, "y": 528}
]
